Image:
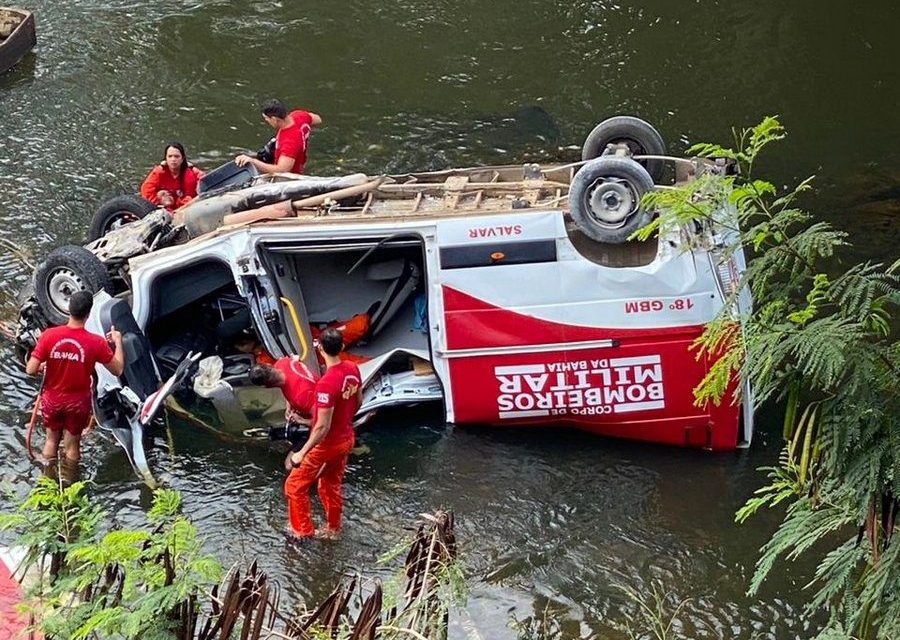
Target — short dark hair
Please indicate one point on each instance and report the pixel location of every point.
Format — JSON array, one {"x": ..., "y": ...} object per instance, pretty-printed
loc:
[
  {"x": 274, "y": 107},
  {"x": 332, "y": 341},
  {"x": 262, "y": 375},
  {"x": 80, "y": 304}
]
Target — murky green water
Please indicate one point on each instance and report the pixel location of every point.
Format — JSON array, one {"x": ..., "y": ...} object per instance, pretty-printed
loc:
[{"x": 545, "y": 517}]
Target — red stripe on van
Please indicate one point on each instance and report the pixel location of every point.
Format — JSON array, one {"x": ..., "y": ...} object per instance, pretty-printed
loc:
[{"x": 472, "y": 324}]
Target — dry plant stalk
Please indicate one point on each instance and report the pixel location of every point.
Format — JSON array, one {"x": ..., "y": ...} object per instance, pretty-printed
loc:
[{"x": 248, "y": 607}]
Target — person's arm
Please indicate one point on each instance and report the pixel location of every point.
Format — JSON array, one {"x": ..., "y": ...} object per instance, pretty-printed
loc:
[
  {"x": 319, "y": 431},
  {"x": 117, "y": 365},
  {"x": 33, "y": 366},
  {"x": 314, "y": 119},
  {"x": 150, "y": 187},
  {"x": 38, "y": 356},
  {"x": 284, "y": 164}
]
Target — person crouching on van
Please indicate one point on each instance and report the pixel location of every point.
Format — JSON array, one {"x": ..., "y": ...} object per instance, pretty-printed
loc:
[
  {"x": 323, "y": 458},
  {"x": 298, "y": 385},
  {"x": 173, "y": 182},
  {"x": 67, "y": 355}
]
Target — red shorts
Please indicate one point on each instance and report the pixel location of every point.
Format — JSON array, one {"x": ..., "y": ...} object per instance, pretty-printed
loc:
[{"x": 69, "y": 414}]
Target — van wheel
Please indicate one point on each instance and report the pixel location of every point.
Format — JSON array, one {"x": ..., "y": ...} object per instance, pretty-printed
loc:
[
  {"x": 639, "y": 136},
  {"x": 66, "y": 270},
  {"x": 116, "y": 212},
  {"x": 605, "y": 198}
]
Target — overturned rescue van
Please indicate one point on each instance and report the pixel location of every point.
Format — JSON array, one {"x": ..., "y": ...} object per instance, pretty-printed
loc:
[{"x": 512, "y": 294}]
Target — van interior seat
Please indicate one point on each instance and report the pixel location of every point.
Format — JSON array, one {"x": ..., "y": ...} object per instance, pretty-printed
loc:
[{"x": 405, "y": 276}]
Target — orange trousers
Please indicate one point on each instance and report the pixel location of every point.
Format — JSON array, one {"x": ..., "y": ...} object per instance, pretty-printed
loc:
[{"x": 323, "y": 465}]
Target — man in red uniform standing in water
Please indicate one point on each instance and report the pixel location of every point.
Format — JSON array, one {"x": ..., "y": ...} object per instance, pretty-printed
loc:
[
  {"x": 324, "y": 456},
  {"x": 69, "y": 354},
  {"x": 291, "y": 135}
]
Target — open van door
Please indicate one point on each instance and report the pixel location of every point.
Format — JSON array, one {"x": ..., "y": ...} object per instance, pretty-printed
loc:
[{"x": 117, "y": 399}]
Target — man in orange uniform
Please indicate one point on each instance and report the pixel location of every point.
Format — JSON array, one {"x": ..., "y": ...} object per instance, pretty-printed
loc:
[
  {"x": 297, "y": 383},
  {"x": 324, "y": 456},
  {"x": 69, "y": 353},
  {"x": 291, "y": 136}
]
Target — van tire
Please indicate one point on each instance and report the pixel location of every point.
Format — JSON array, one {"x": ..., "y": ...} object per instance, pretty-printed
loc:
[
  {"x": 605, "y": 198},
  {"x": 639, "y": 136},
  {"x": 117, "y": 211},
  {"x": 66, "y": 270}
]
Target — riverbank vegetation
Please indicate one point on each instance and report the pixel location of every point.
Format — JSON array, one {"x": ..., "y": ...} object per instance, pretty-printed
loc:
[
  {"x": 155, "y": 582},
  {"x": 821, "y": 340}
]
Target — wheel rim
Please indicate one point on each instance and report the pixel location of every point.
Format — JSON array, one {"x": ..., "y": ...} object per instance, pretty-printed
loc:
[
  {"x": 635, "y": 148},
  {"x": 120, "y": 219},
  {"x": 610, "y": 201},
  {"x": 61, "y": 284}
]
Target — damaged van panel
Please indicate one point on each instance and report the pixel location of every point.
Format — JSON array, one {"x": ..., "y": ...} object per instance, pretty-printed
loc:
[{"x": 514, "y": 295}]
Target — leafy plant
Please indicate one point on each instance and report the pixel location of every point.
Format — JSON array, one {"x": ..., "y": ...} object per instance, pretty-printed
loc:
[
  {"x": 653, "y": 619},
  {"x": 123, "y": 583},
  {"x": 821, "y": 339}
]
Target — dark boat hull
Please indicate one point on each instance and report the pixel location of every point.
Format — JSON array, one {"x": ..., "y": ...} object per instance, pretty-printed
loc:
[{"x": 19, "y": 42}]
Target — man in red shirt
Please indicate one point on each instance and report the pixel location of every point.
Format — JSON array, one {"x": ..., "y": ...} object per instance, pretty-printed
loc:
[
  {"x": 297, "y": 383},
  {"x": 324, "y": 456},
  {"x": 291, "y": 135},
  {"x": 68, "y": 354}
]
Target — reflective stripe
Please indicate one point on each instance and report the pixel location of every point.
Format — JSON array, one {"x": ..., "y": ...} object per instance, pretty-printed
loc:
[{"x": 305, "y": 373}]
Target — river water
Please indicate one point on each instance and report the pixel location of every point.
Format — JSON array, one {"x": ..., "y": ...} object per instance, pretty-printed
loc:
[{"x": 549, "y": 520}]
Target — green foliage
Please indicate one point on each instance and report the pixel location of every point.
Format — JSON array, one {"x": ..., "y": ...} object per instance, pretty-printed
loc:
[
  {"x": 822, "y": 339},
  {"x": 52, "y": 521},
  {"x": 652, "y": 619},
  {"x": 122, "y": 583}
]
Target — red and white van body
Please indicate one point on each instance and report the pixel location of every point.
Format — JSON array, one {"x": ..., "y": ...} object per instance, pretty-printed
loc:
[
  {"x": 523, "y": 329},
  {"x": 545, "y": 335}
]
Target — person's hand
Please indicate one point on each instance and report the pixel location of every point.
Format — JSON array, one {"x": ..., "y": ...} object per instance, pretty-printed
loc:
[
  {"x": 291, "y": 415},
  {"x": 243, "y": 159},
  {"x": 114, "y": 336},
  {"x": 165, "y": 197},
  {"x": 290, "y": 459}
]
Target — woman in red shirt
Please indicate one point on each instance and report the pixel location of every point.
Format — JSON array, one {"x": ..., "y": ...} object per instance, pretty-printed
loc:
[{"x": 173, "y": 182}]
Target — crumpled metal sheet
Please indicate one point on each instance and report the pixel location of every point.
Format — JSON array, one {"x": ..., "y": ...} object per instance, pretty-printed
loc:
[{"x": 133, "y": 239}]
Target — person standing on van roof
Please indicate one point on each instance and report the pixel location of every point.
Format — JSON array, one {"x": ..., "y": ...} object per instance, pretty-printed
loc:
[
  {"x": 291, "y": 136},
  {"x": 323, "y": 458},
  {"x": 173, "y": 182},
  {"x": 297, "y": 383},
  {"x": 67, "y": 355}
]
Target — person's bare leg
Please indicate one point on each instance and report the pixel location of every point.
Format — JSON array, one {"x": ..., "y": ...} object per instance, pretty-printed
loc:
[
  {"x": 51, "y": 444},
  {"x": 72, "y": 446}
]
